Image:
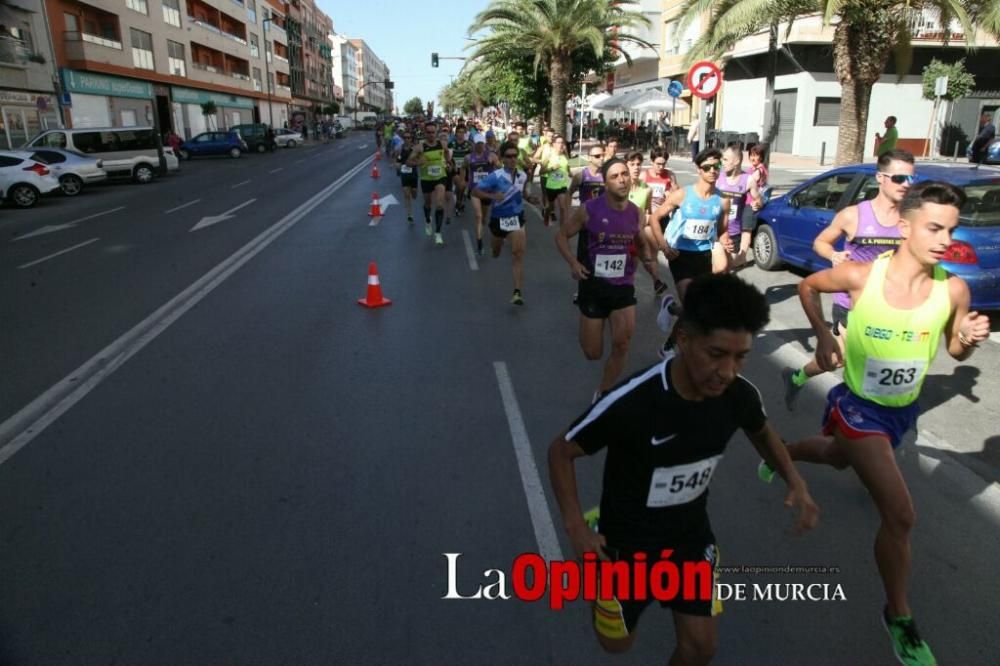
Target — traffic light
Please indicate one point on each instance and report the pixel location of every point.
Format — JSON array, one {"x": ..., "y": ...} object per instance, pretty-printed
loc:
[{"x": 434, "y": 60}]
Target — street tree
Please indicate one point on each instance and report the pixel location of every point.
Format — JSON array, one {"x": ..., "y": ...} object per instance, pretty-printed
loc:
[
  {"x": 866, "y": 34},
  {"x": 413, "y": 106},
  {"x": 547, "y": 33}
]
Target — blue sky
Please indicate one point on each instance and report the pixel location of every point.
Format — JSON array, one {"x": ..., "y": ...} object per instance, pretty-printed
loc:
[{"x": 404, "y": 34}]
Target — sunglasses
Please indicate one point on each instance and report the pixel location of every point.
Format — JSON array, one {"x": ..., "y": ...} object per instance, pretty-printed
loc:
[
  {"x": 597, "y": 155},
  {"x": 511, "y": 156},
  {"x": 710, "y": 167},
  {"x": 899, "y": 178}
]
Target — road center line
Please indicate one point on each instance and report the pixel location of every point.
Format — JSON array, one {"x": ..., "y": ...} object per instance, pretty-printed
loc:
[
  {"x": 90, "y": 217},
  {"x": 189, "y": 203},
  {"x": 56, "y": 254},
  {"x": 276, "y": 170},
  {"x": 239, "y": 184},
  {"x": 32, "y": 419},
  {"x": 469, "y": 252},
  {"x": 538, "y": 508}
]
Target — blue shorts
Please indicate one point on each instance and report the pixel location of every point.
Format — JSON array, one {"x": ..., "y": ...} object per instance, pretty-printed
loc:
[{"x": 856, "y": 418}]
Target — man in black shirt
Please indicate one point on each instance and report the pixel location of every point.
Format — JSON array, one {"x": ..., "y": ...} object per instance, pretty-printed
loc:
[{"x": 665, "y": 430}]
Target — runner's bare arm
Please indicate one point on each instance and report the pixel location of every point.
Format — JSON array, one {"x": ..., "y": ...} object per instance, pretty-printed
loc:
[
  {"x": 566, "y": 231},
  {"x": 770, "y": 447},
  {"x": 673, "y": 181},
  {"x": 417, "y": 157},
  {"x": 965, "y": 330},
  {"x": 849, "y": 276},
  {"x": 562, "y": 475},
  {"x": 669, "y": 205},
  {"x": 756, "y": 199},
  {"x": 843, "y": 222},
  {"x": 722, "y": 224}
]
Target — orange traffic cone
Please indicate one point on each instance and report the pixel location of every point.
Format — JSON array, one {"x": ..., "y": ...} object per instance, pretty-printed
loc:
[
  {"x": 376, "y": 208},
  {"x": 374, "y": 171},
  {"x": 378, "y": 154},
  {"x": 374, "y": 299}
]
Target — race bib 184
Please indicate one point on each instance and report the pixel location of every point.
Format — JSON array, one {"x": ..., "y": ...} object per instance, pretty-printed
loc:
[
  {"x": 680, "y": 484},
  {"x": 699, "y": 229}
]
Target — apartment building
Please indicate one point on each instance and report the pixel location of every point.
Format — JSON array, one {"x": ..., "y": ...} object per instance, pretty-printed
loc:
[
  {"x": 28, "y": 101},
  {"x": 345, "y": 70},
  {"x": 311, "y": 61},
  {"x": 136, "y": 62},
  {"x": 806, "y": 102},
  {"x": 372, "y": 73}
]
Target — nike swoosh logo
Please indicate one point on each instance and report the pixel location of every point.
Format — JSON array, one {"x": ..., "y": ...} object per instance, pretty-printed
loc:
[{"x": 657, "y": 441}]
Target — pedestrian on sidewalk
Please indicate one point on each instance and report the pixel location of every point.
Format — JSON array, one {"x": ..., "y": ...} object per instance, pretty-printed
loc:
[
  {"x": 887, "y": 142},
  {"x": 693, "y": 138},
  {"x": 978, "y": 149}
]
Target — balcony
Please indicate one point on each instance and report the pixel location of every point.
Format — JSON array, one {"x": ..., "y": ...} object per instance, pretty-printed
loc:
[
  {"x": 217, "y": 31},
  {"x": 276, "y": 31},
  {"x": 282, "y": 91},
  {"x": 85, "y": 46}
]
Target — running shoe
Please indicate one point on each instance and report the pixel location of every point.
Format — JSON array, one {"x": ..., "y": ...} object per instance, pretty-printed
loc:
[
  {"x": 765, "y": 472},
  {"x": 409, "y": 218},
  {"x": 516, "y": 298},
  {"x": 593, "y": 517},
  {"x": 438, "y": 240},
  {"x": 909, "y": 647},
  {"x": 659, "y": 287},
  {"x": 792, "y": 389},
  {"x": 665, "y": 317},
  {"x": 427, "y": 228}
]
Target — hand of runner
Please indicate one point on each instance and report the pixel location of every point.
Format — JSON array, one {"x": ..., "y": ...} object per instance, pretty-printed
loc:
[
  {"x": 975, "y": 327},
  {"x": 727, "y": 243},
  {"x": 798, "y": 496},
  {"x": 829, "y": 356},
  {"x": 669, "y": 252},
  {"x": 580, "y": 271},
  {"x": 838, "y": 258},
  {"x": 586, "y": 540},
  {"x": 534, "y": 199}
]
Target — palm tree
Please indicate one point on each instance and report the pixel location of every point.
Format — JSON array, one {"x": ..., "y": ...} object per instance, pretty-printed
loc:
[
  {"x": 866, "y": 34},
  {"x": 549, "y": 32}
]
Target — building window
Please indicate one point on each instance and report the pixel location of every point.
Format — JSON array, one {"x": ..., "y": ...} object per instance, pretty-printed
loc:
[
  {"x": 176, "y": 60},
  {"x": 827, "y": 113},
  {"x": 254, "y": 46},
  {"x": 142, "y": 49},
  {"x": 138, "y": 6},
  {"x": 252, "y": 11},
  {"x": 256, "y": 79},
  {"x": 172, "y": 12}
]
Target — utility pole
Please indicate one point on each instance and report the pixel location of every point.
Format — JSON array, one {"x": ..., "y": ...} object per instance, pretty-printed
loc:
[{"x": 267, "y": 72}]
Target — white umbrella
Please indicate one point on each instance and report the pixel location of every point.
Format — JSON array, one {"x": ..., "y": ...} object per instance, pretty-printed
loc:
[
  {"x": 660, "y": 102},
  {"x": 618, "y": 102}
]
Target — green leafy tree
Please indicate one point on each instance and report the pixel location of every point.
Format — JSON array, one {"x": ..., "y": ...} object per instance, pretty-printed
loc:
[
  {"x": 866, "y": 34},
  {"x": 960, "y": 81},
  {"x": 550, "y": 33},
  {"x": 413, "y": 106}
]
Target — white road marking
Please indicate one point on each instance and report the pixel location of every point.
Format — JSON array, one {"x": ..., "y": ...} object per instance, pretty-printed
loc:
[
  {"x": 538, "y": 508},
  {"x": 215, "y": 219},
  {"x": 189, "y": 203},
  {"x": 31, "y": 420},
  {"x": 56, "y": 254},
  {"x": 299, "y": 161},
  {"x": 276, "y": 170},
  {"x": 68, "y": 225},
  {"x": 469, "y": 251},
  {"x": 995, "y": 337},
  {"x": 245, "y": 182}
]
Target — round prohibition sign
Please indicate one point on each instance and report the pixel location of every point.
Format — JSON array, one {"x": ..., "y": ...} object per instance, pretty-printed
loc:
[{"x": 704, "y": 79}]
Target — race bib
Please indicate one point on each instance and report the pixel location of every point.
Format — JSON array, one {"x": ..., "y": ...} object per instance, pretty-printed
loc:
[
  {"x": 459, "y": 161},
  {"x": 435, "y": 171},
  {"x": 699, "y": 229},
  {"x": 680, "y": 484},
  {"x": 557, "y": 177},
  {"x": 406, "y": 168},
  {"x": 733, "y": 209},
  {"x": 477, "y": 176},
  {"x": 609, "y": 265},
  {"x": 659, "y": 189},
  {"x": 510, "y": 223},
  {"x": 885, "y": 378}
]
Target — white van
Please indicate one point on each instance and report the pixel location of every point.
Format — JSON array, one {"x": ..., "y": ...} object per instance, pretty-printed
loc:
[{"x": 126, "y": 152}]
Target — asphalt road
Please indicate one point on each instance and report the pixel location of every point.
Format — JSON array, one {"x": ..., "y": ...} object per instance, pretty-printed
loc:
[{"x": 267, "y": 473}]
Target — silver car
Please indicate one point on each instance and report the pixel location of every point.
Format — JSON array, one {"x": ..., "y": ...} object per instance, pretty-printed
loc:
[
  {"x": 73, "y": 169},
  {"x": 286, "y": 138}
]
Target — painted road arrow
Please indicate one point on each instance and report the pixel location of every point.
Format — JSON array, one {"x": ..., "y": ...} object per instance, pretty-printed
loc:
[
  {"x": 52, "y": 228},
  {"x": 215, "y": 219},
  {"x": 387, "y": 201}
]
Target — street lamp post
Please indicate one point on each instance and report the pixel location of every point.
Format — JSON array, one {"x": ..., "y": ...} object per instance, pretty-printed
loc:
[{"x": 267, "y": 73}]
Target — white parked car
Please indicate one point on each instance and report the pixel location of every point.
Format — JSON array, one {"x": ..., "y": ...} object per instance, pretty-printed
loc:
[
  {"x": 126, "y": 152},
  {"x": 73, "y": 170},
  {"x": 23, "y": 180},
  {"x": 286, "y": 138}
]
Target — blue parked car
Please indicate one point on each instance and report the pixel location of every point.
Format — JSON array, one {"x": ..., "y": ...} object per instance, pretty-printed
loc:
[
  {"x": 213, "y": 143},
  {"x": 993, "y": 153},
  {"x": 788, "y": 225}
]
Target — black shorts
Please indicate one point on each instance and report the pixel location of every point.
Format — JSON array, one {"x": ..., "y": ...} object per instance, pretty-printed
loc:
[
  {"x": 408, "y": 179},
  {"x": 551, "y": 195},
  {"x": 598, "y": 298},
  {"x": 839, "y": 314},
  {"x": 691, "y": 265},
  {"x": 606, "y": 616},
  {"x": 449, "y": 182},
  {"x": 427, "y": 186},
  {"x": 495, "y": 225}
]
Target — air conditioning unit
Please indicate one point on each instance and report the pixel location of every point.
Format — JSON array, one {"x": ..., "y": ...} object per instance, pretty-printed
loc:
[{"x": 178, "y": 71}]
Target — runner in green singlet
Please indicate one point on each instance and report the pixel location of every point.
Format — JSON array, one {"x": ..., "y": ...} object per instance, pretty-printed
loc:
[{"x": 430, "y": 155}]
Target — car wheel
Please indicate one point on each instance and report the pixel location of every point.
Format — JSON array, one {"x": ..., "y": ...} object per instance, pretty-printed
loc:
[
  {"x": 765, "y": 248},
  {"x": 143, "y": 174},
  {"x": 183, "y": 154},
  {"x": 290, "y": 143},
  {"x": 235, "y": 152},
  {"x": 261, "y": 148},
  {"x": 71, "y": 185},
  {"x": 23, "y": 195}
]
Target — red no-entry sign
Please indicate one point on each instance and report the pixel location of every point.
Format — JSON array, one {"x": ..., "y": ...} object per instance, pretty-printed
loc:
[{"x": 704, "y": 79}]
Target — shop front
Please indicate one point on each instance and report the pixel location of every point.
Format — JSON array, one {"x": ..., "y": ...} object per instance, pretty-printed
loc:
[
  {"x": 23, "y": 115},
  {"x": 188, "y": 109},
  {"x": 101, "y": 100}
]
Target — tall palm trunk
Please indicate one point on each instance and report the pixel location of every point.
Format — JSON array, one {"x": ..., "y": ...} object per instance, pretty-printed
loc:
[
  {"x": 769, "y": 132},
  {"x": 559, "y": 69},
  {"x": 861, "y": 50}
]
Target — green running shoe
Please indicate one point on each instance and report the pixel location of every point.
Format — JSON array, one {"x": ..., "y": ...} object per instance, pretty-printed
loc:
[
  {"x": 909, "y": 647},
  {"x": 427, "y": 229},
  {"x": 764, "y": 472},
  {"x": 592, "y": 517},
  {"x": 516, "y": 298}
]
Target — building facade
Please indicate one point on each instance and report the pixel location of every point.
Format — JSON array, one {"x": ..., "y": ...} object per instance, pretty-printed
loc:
[
  {"x": 28, "y": 100},
  {"x": 372, "y": 73},
  {"x": 311, "y": 60},
  {"x": 166, "y": 62},
  {"x": 345, "y": 70}
]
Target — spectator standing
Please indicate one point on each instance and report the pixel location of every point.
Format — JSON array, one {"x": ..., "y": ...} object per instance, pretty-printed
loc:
[
  {"x": 693, "y": 138},
  {"x": 887, "y": 142},
  {"x": 987, "y": 131}
]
